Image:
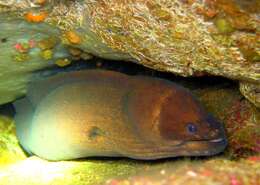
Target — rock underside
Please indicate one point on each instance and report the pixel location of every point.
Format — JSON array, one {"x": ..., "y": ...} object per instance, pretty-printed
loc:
[{"x": 185, "y": 37}]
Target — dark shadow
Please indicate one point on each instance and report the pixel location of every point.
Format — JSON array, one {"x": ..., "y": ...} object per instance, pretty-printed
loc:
[{"x": 7, "y": 110}]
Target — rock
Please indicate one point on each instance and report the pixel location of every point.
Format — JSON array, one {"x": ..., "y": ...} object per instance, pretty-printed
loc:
[
  {"x": 10, "y": 151},
  {"x": 215, "y": 171},
  {"x": 251, "y": 92},
  {"x": 175, "y": 36},
  {"x": 25, "y": 48}
]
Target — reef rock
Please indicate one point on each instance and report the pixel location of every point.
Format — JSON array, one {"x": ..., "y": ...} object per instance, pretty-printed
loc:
[
  {"x": 25, "y": 48},
  {"x": 185, "y": 37}
]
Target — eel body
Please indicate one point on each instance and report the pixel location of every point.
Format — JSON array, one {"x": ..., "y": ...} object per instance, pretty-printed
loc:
[{"x": 104, "y": 113}]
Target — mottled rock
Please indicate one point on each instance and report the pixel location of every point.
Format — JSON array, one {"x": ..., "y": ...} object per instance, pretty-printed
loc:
[
  {"x": 216, "y": 171},
  {"x": 189, "y": 38},
  {"x": 24, "y": 49}
]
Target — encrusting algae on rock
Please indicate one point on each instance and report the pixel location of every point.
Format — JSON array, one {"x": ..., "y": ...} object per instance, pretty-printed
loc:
[
  {"x": 36, "y": 17},
  {"x": 168, "y": 45},
  {"x": 10, "y": 150},
  {"x": 156, "y": 34},
  {"x": 240, "y": 117},
  {"x": 23, "y": 48},
  {"x": 214, "y": 171},
  {"x": 73, "y": 37}
]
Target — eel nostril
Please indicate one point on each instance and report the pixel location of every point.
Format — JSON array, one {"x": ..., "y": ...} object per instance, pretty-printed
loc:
[{"x": 212, "y": 122}]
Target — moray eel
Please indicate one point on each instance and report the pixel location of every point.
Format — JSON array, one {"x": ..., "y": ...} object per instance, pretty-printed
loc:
[{"x": 104, "y": 113}]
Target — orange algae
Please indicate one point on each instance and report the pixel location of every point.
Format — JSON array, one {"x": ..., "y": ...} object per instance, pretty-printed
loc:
[
  {"x": 41, "y": 2},
  {"x": 36, "y": 17},
  {"x": 73, "y": 37},
  {"x": 48, "y": 43}
]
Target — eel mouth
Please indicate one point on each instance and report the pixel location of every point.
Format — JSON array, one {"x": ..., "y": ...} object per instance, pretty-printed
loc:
[
  {"x": 205, "y": 147},
  {"x": 184, "y": 148},
  {"x": 216, "y": 140}
]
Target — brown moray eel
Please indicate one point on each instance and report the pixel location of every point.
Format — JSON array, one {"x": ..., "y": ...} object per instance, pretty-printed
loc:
[{"x": 105, "y": 113}]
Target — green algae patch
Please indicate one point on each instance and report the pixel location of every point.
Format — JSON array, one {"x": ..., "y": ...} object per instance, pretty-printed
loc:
[
  {"x": 10, "y": 151},
  {"x": 223, "y": 25},
  {"x": 98, "y": 171},
  {"x": 33, "y": 170}
]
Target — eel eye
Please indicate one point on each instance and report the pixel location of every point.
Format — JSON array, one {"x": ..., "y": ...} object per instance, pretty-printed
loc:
[{"x": 191, "y": 128}]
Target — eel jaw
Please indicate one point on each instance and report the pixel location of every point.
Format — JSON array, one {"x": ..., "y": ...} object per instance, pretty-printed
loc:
[
  {"x": 205, "y": 147},
  {"x": 185, "y": 148}
]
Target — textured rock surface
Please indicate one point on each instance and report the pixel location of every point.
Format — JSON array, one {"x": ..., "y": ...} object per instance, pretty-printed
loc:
[
  {"x": 174, "y": 38},
  {"x": 211, "y": 172},
  {"x": 25, "y": 48},
  {"x": 186, "y": 37}
]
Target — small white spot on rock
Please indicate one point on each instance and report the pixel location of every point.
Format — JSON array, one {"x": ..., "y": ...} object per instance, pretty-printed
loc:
[
  {"x": 192, "y": 173},
  {"x": 162, "y": 172}
]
